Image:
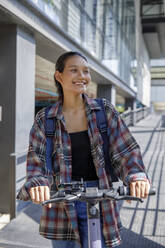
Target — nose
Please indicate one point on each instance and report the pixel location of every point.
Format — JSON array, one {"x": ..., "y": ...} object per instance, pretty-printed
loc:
[{"x": 81, "y": 74}]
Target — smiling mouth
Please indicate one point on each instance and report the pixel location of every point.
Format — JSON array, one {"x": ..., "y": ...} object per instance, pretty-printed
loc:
[{"x": 80, "y": 83}]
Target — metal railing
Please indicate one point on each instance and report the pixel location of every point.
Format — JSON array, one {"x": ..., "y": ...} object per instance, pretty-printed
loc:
[{"x": 131, "y": 117}]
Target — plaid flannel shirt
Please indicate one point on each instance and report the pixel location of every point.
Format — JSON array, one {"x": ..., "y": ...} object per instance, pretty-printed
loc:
[{"x": 60, "y": 222}]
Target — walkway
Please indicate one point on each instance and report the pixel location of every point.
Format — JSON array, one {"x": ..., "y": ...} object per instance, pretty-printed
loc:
[{"x": 144, "y": 223}]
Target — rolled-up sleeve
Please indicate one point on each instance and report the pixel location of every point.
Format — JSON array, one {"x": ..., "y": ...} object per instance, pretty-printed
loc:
[
  {"x": 125, "y": 153},
  {"x": 36, "y": 173}
]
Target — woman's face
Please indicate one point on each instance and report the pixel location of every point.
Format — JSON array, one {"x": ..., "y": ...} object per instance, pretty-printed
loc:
[{"x": 76, "y": 75}]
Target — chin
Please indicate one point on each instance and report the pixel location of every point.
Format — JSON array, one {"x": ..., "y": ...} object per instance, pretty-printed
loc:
[{"x": 80, "y": 91}]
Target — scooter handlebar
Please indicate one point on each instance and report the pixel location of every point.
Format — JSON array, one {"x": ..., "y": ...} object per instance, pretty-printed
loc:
[
  {"x": 122, "y": 193},
  {"x": 125, "y": 190}
]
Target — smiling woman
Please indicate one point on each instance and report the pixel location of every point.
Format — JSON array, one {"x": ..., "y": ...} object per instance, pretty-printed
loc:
[
  {"x": 78, "y": 154},
  {"x": 72, "y": 76}
]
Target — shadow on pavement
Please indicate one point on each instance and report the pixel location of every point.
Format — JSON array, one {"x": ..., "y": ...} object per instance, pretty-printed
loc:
[
  {"x": 137, "y": 241},
  {"x": 151, "y": 214},
  {"x": 34, "y": 212},
  {"x": 163, "y": 121}
]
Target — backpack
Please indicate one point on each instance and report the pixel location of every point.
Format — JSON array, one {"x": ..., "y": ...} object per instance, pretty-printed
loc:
[{"x": 102, "y": 126}]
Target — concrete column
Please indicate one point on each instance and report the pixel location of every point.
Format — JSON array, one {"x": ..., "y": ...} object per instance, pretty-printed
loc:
[
  {"x": 17, "y": 98},
  {"x": 108, "y": 92},
  {"x": 130, "y": 103}
]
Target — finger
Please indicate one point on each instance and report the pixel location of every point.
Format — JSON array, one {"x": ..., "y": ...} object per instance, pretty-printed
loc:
[
  {"x": 132, "y": 189},
  {"x": 37, "y": 198},
  {"x": 142, "y": 189},
  {"x": 129, "y": 201},
  {"x": 41, "y": 193},
  {"x": 147, "y": 189},
  {"x": 47, "y": 195},
  {"x": 138, "y": 189},
  {"x": 32, "y": 194}
]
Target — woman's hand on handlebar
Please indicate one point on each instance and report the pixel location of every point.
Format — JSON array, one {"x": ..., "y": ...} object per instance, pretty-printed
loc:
[
  {"x": 40, "y": 194},
  {"x": 139, "y": 189}
]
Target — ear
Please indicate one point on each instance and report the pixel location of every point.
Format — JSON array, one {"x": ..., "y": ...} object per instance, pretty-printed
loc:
[{"x": 58, "y": 77}]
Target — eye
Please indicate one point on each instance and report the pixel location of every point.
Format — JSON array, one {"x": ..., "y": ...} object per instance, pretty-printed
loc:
[{"x": 73, "y": 70}]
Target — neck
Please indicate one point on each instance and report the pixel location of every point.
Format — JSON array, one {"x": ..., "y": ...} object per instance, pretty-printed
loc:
[{"x": 73, "y": 103}]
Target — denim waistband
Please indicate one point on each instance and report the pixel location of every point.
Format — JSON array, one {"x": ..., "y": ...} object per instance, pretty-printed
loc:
[{"x": 94, "y": 183}]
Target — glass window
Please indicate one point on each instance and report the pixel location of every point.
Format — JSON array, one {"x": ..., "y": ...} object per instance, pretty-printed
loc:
[
  {"x": 119, "y": 37},
  {"x": 89, "y": 8},
  {"x": 45, "y": 89},
  {"x": 74, "y": 18}
]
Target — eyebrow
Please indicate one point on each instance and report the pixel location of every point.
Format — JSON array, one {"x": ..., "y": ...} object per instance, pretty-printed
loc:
[{"x": 77, "y": 66}]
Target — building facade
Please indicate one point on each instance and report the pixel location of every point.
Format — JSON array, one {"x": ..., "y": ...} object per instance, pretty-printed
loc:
[{"x": 153, "y": 21}]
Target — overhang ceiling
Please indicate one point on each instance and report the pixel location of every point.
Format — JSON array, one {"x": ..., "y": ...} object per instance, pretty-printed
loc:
[
  {"x": 154, "y": 36},
  {"x": 153, "y": 26},
  {"x": 48, "y": 49}
]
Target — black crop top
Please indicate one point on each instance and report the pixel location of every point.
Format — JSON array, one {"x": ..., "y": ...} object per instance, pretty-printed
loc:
[{"x": 82, "y": 161}]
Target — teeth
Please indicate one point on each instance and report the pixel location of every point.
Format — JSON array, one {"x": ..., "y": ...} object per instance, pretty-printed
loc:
[{"x": 80, "y": 83}]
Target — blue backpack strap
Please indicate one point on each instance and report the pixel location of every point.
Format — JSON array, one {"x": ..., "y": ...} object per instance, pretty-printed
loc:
[
  {"x": 103, "y": 128},
  {"x": 49, "y": 132}
]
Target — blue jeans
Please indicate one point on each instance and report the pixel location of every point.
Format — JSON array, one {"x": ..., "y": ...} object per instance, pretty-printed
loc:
[{"x": 81, "y": 209}]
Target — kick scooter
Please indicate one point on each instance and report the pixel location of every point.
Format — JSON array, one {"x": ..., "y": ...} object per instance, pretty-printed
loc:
[{"x": 76, "y": 191}]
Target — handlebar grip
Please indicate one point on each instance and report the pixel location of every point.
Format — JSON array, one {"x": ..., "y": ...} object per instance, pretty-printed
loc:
[
  {"x": 126, "y": 191},
  {"x": 152, "y": 191},
  {"x": 67, "y": 198}
]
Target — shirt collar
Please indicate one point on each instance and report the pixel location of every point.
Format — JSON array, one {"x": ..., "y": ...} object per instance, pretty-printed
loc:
[
  {"x": 56, "y": 108},
  {"x": 90, "y": 104}
]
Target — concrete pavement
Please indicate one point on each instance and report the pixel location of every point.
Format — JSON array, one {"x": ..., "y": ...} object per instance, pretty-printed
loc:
[{"x": 144, "y": 223}]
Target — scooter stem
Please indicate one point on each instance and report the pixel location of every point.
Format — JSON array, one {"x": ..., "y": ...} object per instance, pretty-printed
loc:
[{"x": 93, "y": 212}]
